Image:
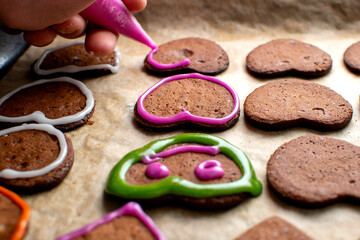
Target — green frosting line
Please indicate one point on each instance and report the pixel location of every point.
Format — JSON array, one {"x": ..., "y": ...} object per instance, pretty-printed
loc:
[{"x": 174, "y": 185}]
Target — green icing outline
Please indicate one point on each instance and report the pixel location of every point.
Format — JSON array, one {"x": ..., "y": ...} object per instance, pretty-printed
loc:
[{"x": 173, "y": 185}]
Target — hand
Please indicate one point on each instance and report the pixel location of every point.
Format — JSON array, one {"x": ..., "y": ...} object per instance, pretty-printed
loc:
[{"x": 42, "y": 20}]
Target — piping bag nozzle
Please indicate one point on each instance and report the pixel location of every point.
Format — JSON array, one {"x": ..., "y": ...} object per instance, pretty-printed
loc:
[{"x": 114, "y": 16}]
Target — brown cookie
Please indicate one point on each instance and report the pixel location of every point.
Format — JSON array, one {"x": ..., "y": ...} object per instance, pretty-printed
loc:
[
  {"x": 34, "y": 157},
  {"x": 205, "y": 56},
  {"x": 126, "y": 223},
  {"x": 188, "y": 100},
  {"x": 351, "y": 57},
  {"x": 315, "y": 170},
  {"x": 14, "y": 215},
  {"x": 63, "y": 102},
  {"x": 73, "y": 60},
  {"x": 273, "y": 228},
  {"x": 296, "y": 103},
  {"x": 196, "y": 170},
  {"x": 288, "y": 57}
]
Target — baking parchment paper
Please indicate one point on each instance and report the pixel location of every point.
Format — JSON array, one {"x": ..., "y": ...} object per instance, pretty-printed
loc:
[{"x": 238, "y": 26}]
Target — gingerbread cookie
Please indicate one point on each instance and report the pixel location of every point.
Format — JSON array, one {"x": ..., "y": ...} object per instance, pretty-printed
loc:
[
  {"x": 187, "y": 55},
  {"x": 129, "y": 222},
  {"x": 73, "y": 60},
  {"x": 274, "y": 228},
  {"x": 193, "y": 100},
  {"x": 14, "y": 215},
  {"x": 198, "y": 170},
  {"x": 296, "y": 103},
  {"x": 351, "y": 58},
  {"x": 315, "y": 170},
  {"x": 63, "y": 102},
  {"x": 288, "y": 57},
  {"x": 34, "y": 157}
]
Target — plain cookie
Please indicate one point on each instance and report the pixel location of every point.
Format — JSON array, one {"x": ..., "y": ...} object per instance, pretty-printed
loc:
[
  {"x": 288, "y": 57},
  {"x": 315, "y": 170},
  {"x": 296, "y": 103}
]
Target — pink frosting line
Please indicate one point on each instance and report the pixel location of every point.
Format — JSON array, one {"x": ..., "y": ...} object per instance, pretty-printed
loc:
[
  {"x": 131, "y": 208},
  {"x": 185, "y": 115},
  {"x": 150, "y": 58},
  {"x": 213, "y": 150}
]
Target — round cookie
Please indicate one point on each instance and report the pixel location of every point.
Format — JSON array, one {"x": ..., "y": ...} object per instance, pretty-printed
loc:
[
  {"x": 351, "y": 57},
  {"x": 282, "y": 57},
  {"x": 129, "y": 222},
  {"x": 34, "y": 157},
  {"x": 196, "y": 170},
  {"x": 284, "y": 104},
  {"x": 14, "y": 215},
  {"x": 314, "y": 171},
  {"x": 205, "y": 56},
  {"x": 188, "y": 100},
  {"x": 63, "y": 102},
  {"x": 273, "y": 228},
  {"x": 74, "y": 61}
]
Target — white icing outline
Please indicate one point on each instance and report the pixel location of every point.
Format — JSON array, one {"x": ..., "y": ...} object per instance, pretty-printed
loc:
[
  {"x": 13, "y": 174},
  {"x": 73, "y": 68},
  {"x": 40, "y": 117}
]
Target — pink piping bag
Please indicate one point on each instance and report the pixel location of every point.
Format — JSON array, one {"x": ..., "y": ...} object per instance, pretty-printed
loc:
[{"x": 113, "y": 15}]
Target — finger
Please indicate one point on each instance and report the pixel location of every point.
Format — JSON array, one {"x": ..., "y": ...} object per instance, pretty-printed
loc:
[
  {"x": 71, "y": 28},
  {"x": 40, "y": 38},
  {"x": 135, "y": 5},
  {"x": 101, "y": 42}
]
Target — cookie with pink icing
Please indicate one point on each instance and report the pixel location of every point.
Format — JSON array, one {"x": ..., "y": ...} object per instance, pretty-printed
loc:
[
  {"x": 63, "y": 102},
  {"x": 187, "y": 55},
  {"x": 34, "y": 157},
  {"x": 129, "y": 222},
  {"x": 73, "y": 60},
  {"x": 188, "y": 100}
]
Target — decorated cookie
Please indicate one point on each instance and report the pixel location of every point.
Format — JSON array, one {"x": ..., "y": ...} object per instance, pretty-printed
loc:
[
  {"x": 63, "y": 102},
  {"x": 73, "y": 60},
  {"x": 189, "y": 99},
  {"x": 274, "y": 228},
  {"x": 187, "y": 55},
  {"x": 315, "y": 170},
  {"x": 288, "y": 57},
  {"x": 34, "y": 157},
  {"x": 129, "y": 222},
  {"x": 196, "y": 169},
  {"x": 14, "y": 215},
  {"x": 351, "y": 57},
  {"x": 296, "y": 103}
]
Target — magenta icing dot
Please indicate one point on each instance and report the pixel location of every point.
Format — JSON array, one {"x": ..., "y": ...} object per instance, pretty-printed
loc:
[
  {"x": 213, "y": 150},
  {"x": 209, "y": 170},
  {"x": 131, "y": 208},
  {"x": 186, "y": 115},
  {"x": 157, "y": 170},
  {"x": 158, "y": 65}
]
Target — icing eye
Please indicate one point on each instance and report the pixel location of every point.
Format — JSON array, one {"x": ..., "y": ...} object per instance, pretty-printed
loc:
[
  {"x": 209, "y": 170},
  {"x": 157, "y": 170}
]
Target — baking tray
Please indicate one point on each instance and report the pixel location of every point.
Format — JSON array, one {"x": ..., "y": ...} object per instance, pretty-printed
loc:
[{"x": 238, "y": 26}]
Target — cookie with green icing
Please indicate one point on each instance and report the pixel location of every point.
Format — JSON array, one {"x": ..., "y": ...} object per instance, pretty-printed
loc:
[{"x": 196, "y": 169}]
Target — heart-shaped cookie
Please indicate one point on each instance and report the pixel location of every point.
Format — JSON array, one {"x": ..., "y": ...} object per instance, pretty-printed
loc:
[
  {"x": 193, "y": 100},
  {"x": 288, "y": 57},
  {"x": 14, "y": 217},
  {"x": 73, "y": 60},
  {"x": 198, "y": 170},
  {"x": 34, "y": 157},
  {"x": 204, "y": 56},
  {"x": 63, "y": 102},
  {"x": 296, "y": 103},
  {"x": 315, "y": 170}
]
